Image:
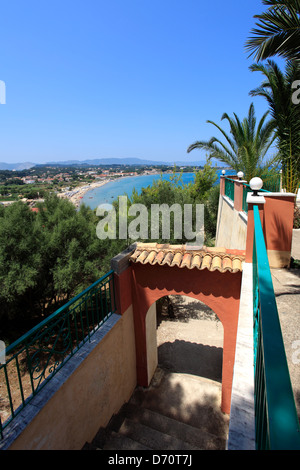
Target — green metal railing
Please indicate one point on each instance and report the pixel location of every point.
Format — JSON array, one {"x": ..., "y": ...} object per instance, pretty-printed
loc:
[
  {"x": 276, "y": 421},
  {"x": 246, "y": 190},
  {"x": 34, "y": 359},
  {"x": 229, "y": 188}
]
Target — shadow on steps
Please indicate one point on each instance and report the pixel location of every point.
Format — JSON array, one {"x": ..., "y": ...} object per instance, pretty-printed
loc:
[{"x": 176, "y": 412}]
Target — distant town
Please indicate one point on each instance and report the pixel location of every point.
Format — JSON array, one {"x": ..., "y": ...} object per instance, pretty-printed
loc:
[{"x": 31, "y": 185}]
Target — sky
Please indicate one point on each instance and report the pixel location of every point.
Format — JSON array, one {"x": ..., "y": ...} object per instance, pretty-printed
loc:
[{"x": 89, "y": 79}]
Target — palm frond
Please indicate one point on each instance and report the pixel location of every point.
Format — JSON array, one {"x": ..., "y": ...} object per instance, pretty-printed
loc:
[
  {"x": 277, "y": 31},
  {"x": 248, "y": 145}
]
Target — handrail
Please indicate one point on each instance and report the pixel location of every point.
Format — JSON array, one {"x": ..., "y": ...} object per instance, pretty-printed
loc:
[
  {"x": 229, "y": 188},
  {"x": 33, "y": 359},
  {"x": 56, "y": 313},
  {"x": 276, "y": 421}
]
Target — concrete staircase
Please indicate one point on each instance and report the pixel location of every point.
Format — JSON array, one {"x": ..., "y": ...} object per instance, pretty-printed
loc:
[{"x": 155, "y": 420}]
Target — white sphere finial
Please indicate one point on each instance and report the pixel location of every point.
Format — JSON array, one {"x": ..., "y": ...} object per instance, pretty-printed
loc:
[
  {"x": 223, "y": 172},
  {"x": 240, "y": 175},
  {"x": 256, "y": 184}
]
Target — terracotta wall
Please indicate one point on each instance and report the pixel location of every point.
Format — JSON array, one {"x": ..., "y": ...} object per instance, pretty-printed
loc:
[{"x": 220, "y": 291}]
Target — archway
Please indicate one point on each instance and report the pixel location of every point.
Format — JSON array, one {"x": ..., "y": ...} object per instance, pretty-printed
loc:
[
  {"x": 187, "y": 369},
  {"x": 189, "y": 337},
  {"x": 218, "y": 290}
]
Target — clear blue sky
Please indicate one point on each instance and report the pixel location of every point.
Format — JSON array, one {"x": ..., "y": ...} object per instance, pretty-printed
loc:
[{"x": 121, "y": 78}]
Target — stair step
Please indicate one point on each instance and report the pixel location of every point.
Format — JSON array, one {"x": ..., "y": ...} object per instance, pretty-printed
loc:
[
  {"x": 185, "y": 432},
  {"x": 121, "y": 442},
  {"x": 152, "y": 438},
  {"x": 192, "y": 400}
]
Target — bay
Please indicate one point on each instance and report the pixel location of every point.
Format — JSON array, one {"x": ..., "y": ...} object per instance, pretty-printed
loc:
[{"x": 107, "y": 193}]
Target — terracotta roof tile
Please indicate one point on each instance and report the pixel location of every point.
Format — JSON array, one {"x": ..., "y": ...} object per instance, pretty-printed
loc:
[{"x": 186, "y": 256}]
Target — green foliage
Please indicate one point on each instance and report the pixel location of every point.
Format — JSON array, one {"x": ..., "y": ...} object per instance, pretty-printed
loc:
[
  {"x": 276, "y": 89},
  {"x": 277, "y": 31},
  {"x": 246, "y": 147},
  {"x": 204, "y": 182},
  {"x": 48, "y": 256},
  {"x": 20, "y": 237},
  {"x": 162, "y": 191},
  {"x": 45, "y": 257}
]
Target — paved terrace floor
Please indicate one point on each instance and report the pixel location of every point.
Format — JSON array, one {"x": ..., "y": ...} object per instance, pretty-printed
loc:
[{"x": 286, "y": 284}]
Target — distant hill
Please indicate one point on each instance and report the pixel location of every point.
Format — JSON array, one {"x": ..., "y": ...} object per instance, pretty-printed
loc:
[
  {"x": 127, "y": 161},
  {"x": 16, "y": 166},
  {"x": 106, "y": 161},
  {"x": 102, "y": 161}
]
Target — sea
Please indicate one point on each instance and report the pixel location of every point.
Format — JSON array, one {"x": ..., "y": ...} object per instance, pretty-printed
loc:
[{"x": 107, "y": 193}]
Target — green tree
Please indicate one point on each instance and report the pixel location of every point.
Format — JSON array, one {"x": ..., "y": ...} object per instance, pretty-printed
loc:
[
  {"x": 277, "y": 31},
  {"x": 69, "y": 250},
  {"x": 174, "y": 191},
  {"x": 276, "y": 89},
  {"x": 45, "y": 257},
  {"x": 20, "y": 259},
  {"x": 205, "y": 179},
  {"x": 247, "y": 147}
]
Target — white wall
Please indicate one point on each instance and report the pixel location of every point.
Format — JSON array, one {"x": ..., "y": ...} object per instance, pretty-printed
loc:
[{"x": 231, "y": 230}]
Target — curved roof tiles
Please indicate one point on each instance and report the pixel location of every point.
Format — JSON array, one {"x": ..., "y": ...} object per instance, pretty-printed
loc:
[{"x": 186, "y": 256}]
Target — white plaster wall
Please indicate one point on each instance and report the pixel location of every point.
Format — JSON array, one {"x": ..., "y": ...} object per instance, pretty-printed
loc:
[{"x": 231, "y": 230}]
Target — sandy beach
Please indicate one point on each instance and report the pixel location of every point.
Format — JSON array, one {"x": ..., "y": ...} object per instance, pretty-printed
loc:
[{"x": 76, "y": 194}]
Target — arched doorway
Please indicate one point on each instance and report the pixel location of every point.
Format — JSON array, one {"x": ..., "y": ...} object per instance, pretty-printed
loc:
[
  {"x": 185, "y": 353},
  {"x": 218, "y": 290},
  {"x": 144, "y": 274},
  {"x": 189, "y": 337}
]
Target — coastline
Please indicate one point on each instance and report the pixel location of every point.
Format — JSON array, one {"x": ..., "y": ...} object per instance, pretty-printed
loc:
[{"x": 76, "y": 194}]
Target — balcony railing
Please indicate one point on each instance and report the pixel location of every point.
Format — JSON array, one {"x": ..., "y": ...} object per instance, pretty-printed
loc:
[
  {"x": 34, "y": 359},
  {"x": 276, "y": 421},
  {"x": 270, "y": 184},
  {"x": 229, "y": 188}
]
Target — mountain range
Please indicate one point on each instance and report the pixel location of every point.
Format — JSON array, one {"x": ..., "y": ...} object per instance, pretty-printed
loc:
[{"x": 100, "y": 161}]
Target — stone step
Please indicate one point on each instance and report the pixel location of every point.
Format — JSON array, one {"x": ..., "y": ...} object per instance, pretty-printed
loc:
[
  {"x": 192, "y": 400},
  {"x": 176, "y": 429},
  {"x": 118, "y": 441},
  {"x": 152, "y": 438}
]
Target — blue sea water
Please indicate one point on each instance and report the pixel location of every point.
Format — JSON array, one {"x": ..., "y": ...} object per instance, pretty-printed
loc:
[{"x": 110, "y": 191}]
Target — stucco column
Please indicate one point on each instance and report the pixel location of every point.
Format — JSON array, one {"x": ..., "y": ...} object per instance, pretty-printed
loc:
[
  {"x": 251, "y": 201},
  {"x": 222, "y": 185},
  {"x": 238, "y": 194}
]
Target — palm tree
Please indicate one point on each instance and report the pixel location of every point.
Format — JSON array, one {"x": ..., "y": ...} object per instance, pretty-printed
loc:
[
  {"x": 276, "y": 88},
  {"x": 277, "y": 32},
  {"x": 247, "y": 148}
]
